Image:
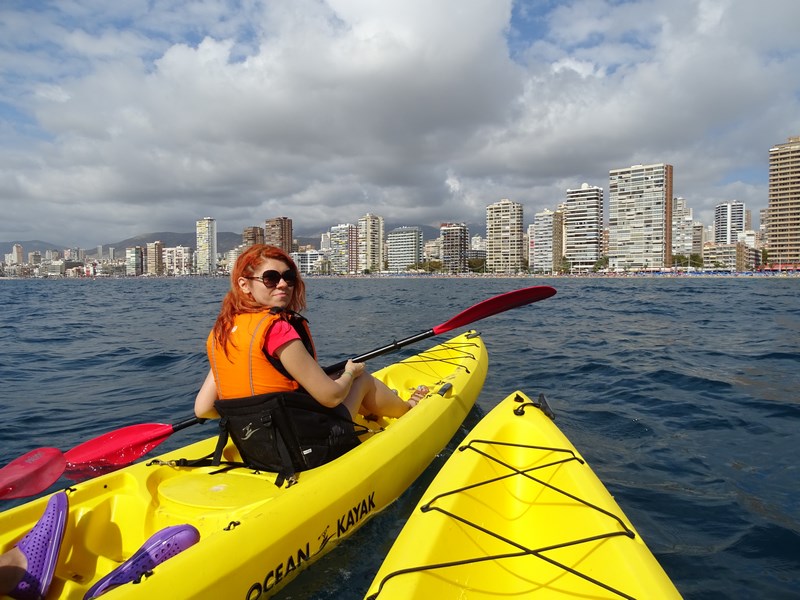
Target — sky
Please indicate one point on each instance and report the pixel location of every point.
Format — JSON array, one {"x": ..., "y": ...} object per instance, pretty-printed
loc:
[{"x": 136, "y": 116}]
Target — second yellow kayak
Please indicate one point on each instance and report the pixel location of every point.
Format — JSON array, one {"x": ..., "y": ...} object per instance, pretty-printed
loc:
[{"x": 516, "y": 512}]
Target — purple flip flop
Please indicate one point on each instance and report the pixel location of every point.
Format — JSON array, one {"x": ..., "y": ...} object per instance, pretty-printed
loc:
[
  {"x": 159, "y": 547},
  {"x": 40, "y": 547}
]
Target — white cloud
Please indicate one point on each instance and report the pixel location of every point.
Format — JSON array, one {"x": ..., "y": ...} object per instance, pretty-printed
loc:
[{"x": 130, "y": 117}]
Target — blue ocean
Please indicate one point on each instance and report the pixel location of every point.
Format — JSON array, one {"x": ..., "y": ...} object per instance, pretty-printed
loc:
[{"x": 683, "y": 394}]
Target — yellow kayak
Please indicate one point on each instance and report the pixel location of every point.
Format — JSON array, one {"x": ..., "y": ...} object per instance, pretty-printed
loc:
[
  {"x": 256, "y": 537},
  {"x": 516, "y": 512}
]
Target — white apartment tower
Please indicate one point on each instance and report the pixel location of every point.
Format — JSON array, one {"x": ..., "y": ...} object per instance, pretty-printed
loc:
[
  {"x": 344, "y": 249},
  {"x": 541, "y": 241},
  {"x": 783, "y": 206},
  {"x": 683, "y": 227},
  {"x": 404, "y": 248},
  {"x": 504, "y": 240},
  {"x": 206, "y": 252},
  {"x": 370, "y": 244},
  {"x": 583, "y": 227},
  {"x": 17, "y": 254},
  {"x": 728, "y": 222},
  {"x": 640, "y": 217},
  {"x": 178, "y": 260}
]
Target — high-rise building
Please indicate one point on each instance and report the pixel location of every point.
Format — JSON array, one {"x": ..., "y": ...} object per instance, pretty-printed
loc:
[
  {"x": 583, "y": 227},
  {"x": 17, "y": 254},
  {"x": 728, "y": 222},
  {"x": 206, "y": 253},
  {"x": 783, "y": 208},
  {"x": 540, "y": 233},
  {"x": 252, "y": 236},
  {"x": 155, "y": 258},
  {"x": 455, "y": 244},
  {"x": 640, "y": 217},
  {"x": 370, "y": 244},
  {"x": 559, "y": 241},
  {"x": 325, "y": 241},
  {"x": 698, "y": 237},
  {"x": 504, "y": 237},
  {"x": 343, "y": 252},
  {"x": 682, "y": 228},
  {"x": 278, "y": 232},
  {"x": 404, "y": 248},
  {"x": 134, "y": 261}
]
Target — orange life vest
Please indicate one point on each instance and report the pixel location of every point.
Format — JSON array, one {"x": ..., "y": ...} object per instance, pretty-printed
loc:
[{"x": 247, "y": 370}]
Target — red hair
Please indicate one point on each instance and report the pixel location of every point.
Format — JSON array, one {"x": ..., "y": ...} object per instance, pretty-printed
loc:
[{"x": 237, "y": 302}]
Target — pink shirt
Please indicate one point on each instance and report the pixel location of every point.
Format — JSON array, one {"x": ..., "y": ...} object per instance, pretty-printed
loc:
[{"x": 279, "y": 334}]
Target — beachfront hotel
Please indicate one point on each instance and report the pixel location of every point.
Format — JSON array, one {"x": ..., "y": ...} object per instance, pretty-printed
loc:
[
  {"x": 370, "y": 244},
  {"x": 404, "y": 248},
  {"x": 504, "y": 240},
  {"x": 783, "y": 207},
  {"x": 728, "y": 222},
  {"x": 583, "y": 228},
  {"x": 640, "y": 217}
]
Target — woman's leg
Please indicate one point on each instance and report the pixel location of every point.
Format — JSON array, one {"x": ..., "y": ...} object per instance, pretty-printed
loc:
[{"x": 370, "y": 396}]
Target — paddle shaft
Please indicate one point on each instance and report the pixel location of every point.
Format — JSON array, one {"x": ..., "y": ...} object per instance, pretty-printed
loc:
[{"x": 396, "y": 345}]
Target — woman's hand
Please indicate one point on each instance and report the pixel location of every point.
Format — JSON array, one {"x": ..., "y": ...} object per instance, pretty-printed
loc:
[{"x": 354, "y": 369}]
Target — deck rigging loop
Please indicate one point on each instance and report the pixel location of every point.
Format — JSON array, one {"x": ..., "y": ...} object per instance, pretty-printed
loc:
[
  {"x": 540, "y": 403},
  {"x": 522, "y": 550},
  {"x": 459, "y": 349}
]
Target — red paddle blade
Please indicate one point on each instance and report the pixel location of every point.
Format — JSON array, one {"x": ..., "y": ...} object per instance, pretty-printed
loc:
[
  {"x": 495, "y": 305},
  {"x": 31, "y": 473},
  {"x": 117, "y": 448}
]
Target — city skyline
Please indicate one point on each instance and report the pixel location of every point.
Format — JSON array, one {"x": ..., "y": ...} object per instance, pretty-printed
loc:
[
  {"x": 125, "y": 118},
  {"x": 599, "y": 199}
]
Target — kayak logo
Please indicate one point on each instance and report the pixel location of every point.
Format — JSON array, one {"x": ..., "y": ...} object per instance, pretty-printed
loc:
[
  {"x": 355, "y": 515},
  {"x": 278, "y": 573}
]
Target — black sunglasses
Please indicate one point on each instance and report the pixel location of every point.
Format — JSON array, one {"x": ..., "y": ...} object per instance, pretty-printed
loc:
[{"x": 272, "y": 278}]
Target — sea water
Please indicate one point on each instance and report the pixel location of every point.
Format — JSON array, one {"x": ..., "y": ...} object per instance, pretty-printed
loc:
[{"x": 683, "y": 394}]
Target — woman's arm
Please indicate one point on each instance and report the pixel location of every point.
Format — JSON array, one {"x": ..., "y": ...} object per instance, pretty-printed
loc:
[
  {"x": 307, "y": 372},
  {"x": 204, "y": 401}
]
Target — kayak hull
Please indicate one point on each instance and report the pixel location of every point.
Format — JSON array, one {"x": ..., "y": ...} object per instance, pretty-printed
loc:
[
  {"x": 254, "y": 536},
  {"x": 516, "y": 512}
]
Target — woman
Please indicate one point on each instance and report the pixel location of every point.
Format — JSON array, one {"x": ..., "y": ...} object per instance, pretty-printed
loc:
[{"x": 261, "y": 347}]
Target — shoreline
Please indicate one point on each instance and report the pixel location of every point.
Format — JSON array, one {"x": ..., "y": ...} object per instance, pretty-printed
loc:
[{"x": 698, "y": 275}]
